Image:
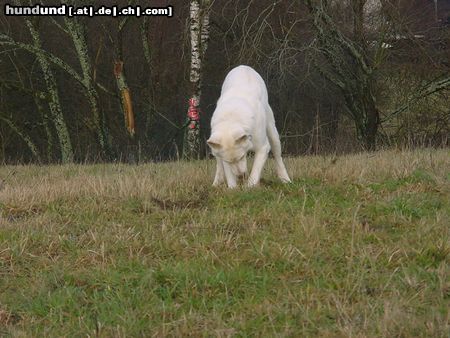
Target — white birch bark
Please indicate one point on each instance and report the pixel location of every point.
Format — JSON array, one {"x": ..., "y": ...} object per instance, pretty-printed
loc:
[
  {"x": 205, "y": 27},
  {"x": 195, "y": 41},
  {"x": 204, "y": 37},
  {"x": 199, "y": 33}
]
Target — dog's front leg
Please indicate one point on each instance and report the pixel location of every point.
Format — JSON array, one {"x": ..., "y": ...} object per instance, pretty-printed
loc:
[
  {"x": 258, "y": 164},
  {"x": 231, "y": 178},
  {"x": 220, "y": 175}
]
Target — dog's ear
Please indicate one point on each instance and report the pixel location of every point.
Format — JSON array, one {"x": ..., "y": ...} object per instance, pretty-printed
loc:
[
  {"x": 214, "y": 143},
  {"x": 243, "y": 138}
]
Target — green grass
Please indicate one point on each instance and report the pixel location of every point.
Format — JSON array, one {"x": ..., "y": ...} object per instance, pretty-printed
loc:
[{"x": 353, "y": 247}]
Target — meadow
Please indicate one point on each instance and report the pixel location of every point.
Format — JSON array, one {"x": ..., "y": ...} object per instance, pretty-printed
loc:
[{"x": 357, "y": 246}]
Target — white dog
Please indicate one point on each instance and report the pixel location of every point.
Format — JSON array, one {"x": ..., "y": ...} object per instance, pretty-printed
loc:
[{"x": 243, "y": 121}]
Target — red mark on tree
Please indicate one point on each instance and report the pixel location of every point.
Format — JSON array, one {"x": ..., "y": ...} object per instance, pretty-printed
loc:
[{"x": 193, "y": 112}]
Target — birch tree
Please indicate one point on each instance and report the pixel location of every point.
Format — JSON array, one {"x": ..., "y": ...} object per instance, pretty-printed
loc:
[{"x": 199, "y": 33}]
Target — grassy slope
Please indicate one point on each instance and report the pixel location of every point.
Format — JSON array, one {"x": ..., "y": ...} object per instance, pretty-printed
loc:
[{"x": 355, "y": 246}]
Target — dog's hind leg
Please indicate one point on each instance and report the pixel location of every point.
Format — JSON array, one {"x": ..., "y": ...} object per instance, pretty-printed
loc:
[{"x": 274, "y": 140}]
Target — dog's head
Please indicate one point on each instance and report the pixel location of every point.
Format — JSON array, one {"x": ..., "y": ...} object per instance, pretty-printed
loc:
[{"x": 232, "y": 147}]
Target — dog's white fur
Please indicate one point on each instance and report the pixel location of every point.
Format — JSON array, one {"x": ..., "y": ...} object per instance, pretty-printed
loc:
[{"x": 243, "y": 121}]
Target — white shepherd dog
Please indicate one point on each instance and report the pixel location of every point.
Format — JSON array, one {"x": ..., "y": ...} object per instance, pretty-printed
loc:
[{"x": 243, "y": 121}]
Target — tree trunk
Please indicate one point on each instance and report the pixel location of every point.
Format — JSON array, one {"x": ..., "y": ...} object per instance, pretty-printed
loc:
[
  {"x": 349, "y": 68},
  {"x": 62, "y": 131},
  {"x": 199, "y": 30},
  {"x": 362, "y": 109},
  {"x": 367, "y": 126},
  {"x": 124, "y": 93},
  {"x": 46, "y": 121},
  {"x": 148, "y": 58},
  {"x": 372, "y": 124},
  {"x": 205, "y": 27},
  {"x": 370, "y": 139},
  {"x": 78, "y": 35}
]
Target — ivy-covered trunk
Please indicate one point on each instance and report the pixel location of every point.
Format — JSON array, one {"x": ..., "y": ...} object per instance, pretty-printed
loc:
[
  {"x": 59, "y": 122},
  {"x": 362, "y": 108},
  {"x": 348, "y": 66},
  {"x": 148, "y": 58},
  {"x": 78, "y": 36},
  {"x": 199, "y": 30}
]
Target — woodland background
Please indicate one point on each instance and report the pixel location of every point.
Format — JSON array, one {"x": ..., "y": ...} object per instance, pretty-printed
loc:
[{"x": 342, "y": 76}]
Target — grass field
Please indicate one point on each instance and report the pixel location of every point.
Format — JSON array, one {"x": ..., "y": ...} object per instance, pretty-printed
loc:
[{"x": 356, "y": 246}]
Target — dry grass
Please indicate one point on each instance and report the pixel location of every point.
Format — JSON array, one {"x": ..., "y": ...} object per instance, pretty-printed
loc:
[{"x": 357, "y": 246}]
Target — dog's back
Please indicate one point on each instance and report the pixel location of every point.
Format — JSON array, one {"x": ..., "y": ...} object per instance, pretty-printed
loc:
[
  {"x": 243, "y": 98},
  {"x": 244, "y": 82}
]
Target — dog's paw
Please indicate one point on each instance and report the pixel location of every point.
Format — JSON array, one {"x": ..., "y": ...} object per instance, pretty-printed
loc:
[{"x": 252, "y": 183}]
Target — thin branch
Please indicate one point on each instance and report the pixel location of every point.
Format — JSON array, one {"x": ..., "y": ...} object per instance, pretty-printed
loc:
[
  {"x": 427, "y": 90},
  {"x": 23, "y": 136},
  {"x": 7, "y": 41}
]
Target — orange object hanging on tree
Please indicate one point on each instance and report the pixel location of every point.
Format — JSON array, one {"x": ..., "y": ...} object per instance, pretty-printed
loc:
[{"x": 126, "y": 97}]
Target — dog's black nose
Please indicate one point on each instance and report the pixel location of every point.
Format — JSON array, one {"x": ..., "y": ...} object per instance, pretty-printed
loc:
[{"x": 242, "y": 176}]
